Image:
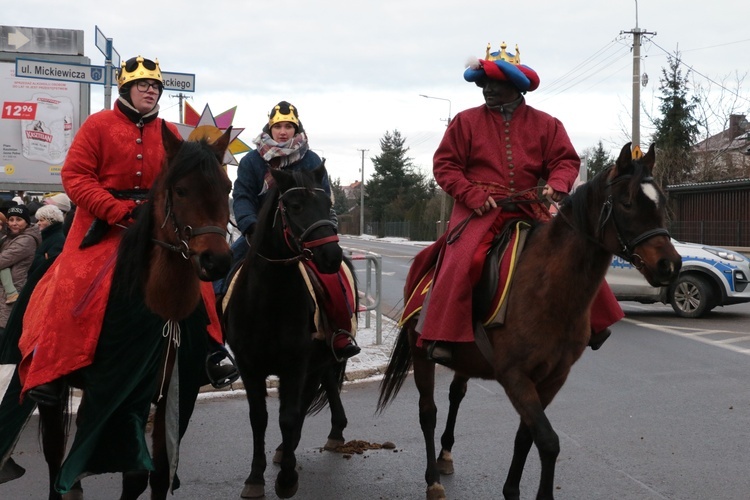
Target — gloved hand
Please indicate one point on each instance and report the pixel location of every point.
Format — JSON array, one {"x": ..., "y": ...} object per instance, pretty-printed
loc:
[{"x": 98, "y": 229}]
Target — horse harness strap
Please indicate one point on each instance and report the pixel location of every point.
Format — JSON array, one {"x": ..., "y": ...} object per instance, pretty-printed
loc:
[{"x": 184, "y": 233}]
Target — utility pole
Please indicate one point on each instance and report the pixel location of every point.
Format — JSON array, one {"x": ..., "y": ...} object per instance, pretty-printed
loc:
[
  {"x": 637, "y": 33},
  {"x": 181, "y": 96},
  {"x": 443, "y": 224},
  {"x": 362, "y": 195}
]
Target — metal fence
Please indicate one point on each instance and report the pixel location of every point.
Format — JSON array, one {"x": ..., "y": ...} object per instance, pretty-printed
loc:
[{"x": 717, "y": 233}]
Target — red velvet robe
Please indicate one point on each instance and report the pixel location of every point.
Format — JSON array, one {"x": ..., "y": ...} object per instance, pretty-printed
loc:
[
  {"x": 482, "y": 154},
  {"x": 65, "y": 313}
]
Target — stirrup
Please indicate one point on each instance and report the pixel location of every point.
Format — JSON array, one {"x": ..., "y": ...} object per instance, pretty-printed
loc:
[
  {"x": 343, "y": 353},
  {"x": 221, "y": 375},
  {"x": 439, "y": 351}
]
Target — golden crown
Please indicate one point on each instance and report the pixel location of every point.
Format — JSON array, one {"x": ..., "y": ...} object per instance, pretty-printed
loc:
[
  {"x": 502, "y": 55},
  {"x": 138, "y": 69},
  {"x": 277, "y": 116}
]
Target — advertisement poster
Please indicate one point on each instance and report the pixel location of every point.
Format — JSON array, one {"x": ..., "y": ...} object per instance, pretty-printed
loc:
[{"x": 38, "y": 121}]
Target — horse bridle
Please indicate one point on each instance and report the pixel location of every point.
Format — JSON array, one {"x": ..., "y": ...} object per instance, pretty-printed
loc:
[
  {"x": 183, "y": 233},
  {"x": 300, "y": 244},
  {"x": 627, "y": 247}
]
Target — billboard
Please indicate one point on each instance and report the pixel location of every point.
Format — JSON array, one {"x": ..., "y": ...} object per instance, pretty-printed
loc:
[{"x": 38, "y": 121}]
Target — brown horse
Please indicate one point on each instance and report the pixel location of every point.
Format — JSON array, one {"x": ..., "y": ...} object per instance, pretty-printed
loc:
[
  {"x": 621, "y": 211},
  {"x": 177, "y": 241}
]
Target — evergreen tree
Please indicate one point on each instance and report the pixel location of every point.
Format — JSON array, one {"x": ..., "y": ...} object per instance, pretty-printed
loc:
[
  {"x": 677, "y": 128},
  {"x": 394, "y": 187},
  {"x": 341, "y": 204},
  {"x": 597, "y": 159}
]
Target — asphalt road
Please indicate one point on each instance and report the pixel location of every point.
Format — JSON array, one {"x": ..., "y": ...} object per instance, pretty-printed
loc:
[{"x": 662, "y": 411}]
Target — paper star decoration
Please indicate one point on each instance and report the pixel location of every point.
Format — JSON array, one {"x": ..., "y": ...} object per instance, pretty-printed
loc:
[{"x": 208, "y": 125}]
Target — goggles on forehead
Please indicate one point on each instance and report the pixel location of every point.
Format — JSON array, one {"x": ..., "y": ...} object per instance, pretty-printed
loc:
[{"x": 139, "y": 68}]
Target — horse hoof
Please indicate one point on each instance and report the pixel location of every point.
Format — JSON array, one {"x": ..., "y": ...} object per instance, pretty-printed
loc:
[
  {"x": 253, "y": 491},
  {"x": 332, "y": 444},
  {"x": 288, "y": 492},
  {"x": 436, "y": 492},
  {"x": 277, "y": 457},
  {"x": 445, "y": 465}
]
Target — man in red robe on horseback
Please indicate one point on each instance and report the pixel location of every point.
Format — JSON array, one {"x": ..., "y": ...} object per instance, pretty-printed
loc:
[{"x": 500, "y": 150}]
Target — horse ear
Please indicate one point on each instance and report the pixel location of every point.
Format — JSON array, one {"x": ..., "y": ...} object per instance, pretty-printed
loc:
[
  {"x": 171, "y": 142},
  {"x": 284, "y": 180},
  {"x": 320, "y": 172},
  {"x": 650, "y": 157},
  {"x": 623, "y": 161},
  {"x": 220, "y": 145}
]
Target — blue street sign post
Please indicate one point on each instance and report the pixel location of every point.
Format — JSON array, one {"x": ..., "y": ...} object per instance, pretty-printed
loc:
[{"x": 104, "y": 45}]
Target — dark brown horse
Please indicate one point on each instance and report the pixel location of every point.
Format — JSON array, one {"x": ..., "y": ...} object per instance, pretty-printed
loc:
[
  {"x": 621, "y": 211},
  {"x": 270, "y": 319},
  {"x": 178, "y": 239}
]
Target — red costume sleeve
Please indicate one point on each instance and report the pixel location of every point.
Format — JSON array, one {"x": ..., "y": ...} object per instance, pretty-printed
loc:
[{"x": 81, "y": 176}]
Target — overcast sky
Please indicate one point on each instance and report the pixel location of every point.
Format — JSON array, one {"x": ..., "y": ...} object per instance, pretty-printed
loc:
[{"x": 356, "y": 69}]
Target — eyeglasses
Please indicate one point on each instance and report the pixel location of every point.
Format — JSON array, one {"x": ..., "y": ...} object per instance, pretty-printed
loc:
[{"x": 143, "y": 86}]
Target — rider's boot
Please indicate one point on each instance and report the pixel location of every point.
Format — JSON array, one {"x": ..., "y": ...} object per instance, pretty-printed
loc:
[
  {"x": 440, "y": 352},
  {"x": 344, "y": 346},
  {"x": 221, "y": 369},
  {"x": 598, "y": 338},
  {"x": 49, "y": 394}
]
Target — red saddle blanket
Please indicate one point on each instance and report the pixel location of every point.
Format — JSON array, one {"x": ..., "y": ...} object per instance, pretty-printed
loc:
[
  {"x": 424, "y": 266},
  {"x": 334, "y": 296}
]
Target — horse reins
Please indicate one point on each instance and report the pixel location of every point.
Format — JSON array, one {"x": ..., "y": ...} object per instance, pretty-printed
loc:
[
  {"x": 300, "y": 244},
  {"x": 184, "y": 233},
  {"x": 627, "y": 247}
]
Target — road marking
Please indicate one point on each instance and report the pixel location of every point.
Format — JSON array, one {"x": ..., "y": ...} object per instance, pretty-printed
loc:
[{"x": 699, "y": 335}]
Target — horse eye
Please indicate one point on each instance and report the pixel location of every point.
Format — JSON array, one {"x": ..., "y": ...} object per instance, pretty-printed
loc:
[{"x": 181, "y": 192}]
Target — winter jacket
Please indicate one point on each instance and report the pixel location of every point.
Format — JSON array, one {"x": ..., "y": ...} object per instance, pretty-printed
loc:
[
  {"x": 53, "y": 240},
  {"x": 249, "y": 184},
  {"x": 17, "y": 253}
]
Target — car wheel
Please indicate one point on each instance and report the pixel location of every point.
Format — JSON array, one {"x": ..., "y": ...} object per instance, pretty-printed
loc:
[{"x": 690, "y": 296}]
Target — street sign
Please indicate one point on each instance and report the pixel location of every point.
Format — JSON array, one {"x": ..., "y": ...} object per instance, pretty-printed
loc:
[
  {"x": 182, "y": 82},
  {"x": 101, "y": 42},
  {"x": 41, "y": 40},
  {"x": 52, "y": 70}
]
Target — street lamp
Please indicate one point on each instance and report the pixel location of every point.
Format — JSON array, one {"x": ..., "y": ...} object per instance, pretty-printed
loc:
[{"x": 442, "y": 198}]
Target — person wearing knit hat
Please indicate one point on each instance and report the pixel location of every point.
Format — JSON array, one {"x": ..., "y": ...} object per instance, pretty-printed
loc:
[
  {"x": 503, "y": 148},
  {"x": 20, "y": 211},
  {"x": 282, "y": 144},
  {"x": 60, "y": 200}
]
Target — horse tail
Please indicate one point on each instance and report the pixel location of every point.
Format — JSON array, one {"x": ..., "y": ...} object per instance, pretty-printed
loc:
[
  {"x": 337, "y": 372},
  {"x": 397, "y": 369}
]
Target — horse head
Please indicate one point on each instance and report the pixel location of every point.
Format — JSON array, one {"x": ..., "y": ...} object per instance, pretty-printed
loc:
[
  {"x": 190, "y": 199},
  {"x": 303, "y": 209},
  {"x": 633, "y": 217}
]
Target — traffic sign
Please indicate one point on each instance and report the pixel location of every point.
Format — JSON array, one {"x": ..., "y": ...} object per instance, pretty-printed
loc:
[{"x": 52, "y": 70}]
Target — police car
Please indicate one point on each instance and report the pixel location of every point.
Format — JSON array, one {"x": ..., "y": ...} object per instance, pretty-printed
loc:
[{"x": 710, "y": 277}]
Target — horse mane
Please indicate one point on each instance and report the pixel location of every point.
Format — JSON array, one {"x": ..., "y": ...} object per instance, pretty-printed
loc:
[
  {"x": 134, "y": 251},
  {"x": 634, "y": 173}
]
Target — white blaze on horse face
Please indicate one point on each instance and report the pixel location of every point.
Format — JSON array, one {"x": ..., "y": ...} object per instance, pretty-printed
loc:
[{"x": 650, "y": 190}]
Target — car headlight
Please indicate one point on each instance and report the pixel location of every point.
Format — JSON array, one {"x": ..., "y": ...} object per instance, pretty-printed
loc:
[{"x": 726, "y": 254}]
